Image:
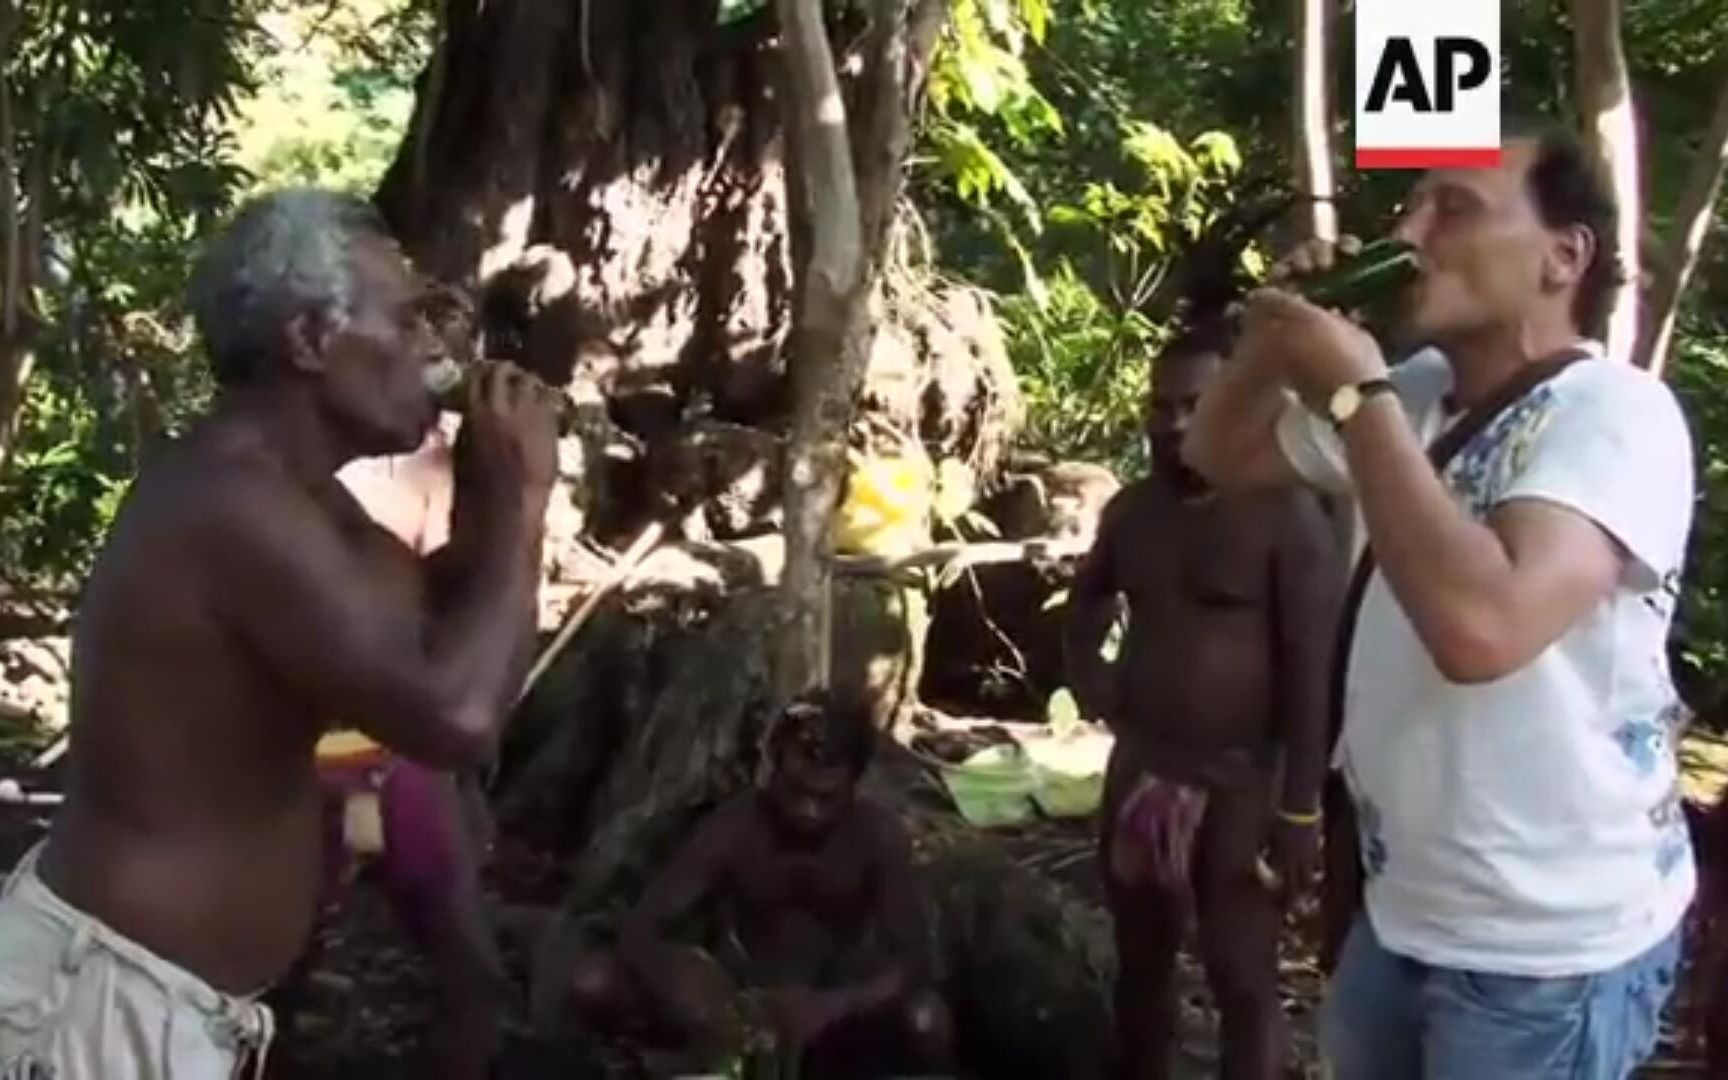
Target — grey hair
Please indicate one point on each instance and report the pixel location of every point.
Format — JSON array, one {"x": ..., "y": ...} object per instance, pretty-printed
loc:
[{"x": 284, "y": 254}]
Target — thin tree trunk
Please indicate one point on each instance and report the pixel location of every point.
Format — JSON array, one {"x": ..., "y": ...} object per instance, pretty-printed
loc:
[
  {"x": 1692, "y": 218},
  {"x": 1313, "y": 120},
  {"x": 1311, "y": 139},
  {"x": 847, "y": 179},
  {"x": 826, "y": 358},
  {"x": 1605, "y": 104}
]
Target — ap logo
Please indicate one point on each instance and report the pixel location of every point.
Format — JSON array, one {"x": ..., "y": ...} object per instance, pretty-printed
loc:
[{"x": 1427, "y": 84}]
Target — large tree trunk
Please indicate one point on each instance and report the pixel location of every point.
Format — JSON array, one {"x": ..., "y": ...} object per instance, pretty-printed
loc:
[
  {"x": 608, "y": 179},
  {"x": 609, "y": 174},
  {"x": 1692, "y": 219},
  {"x": 1610, "y": 120}
]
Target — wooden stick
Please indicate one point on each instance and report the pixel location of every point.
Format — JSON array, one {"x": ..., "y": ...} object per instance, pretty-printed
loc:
[
  {"x": 11, "y": 794},
  {"x": 962, "y": 554},
  {"x": 54, "y": 753},
  {"x": 620, "y": 571}
]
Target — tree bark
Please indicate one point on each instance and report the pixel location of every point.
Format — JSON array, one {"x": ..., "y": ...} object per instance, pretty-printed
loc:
[
  {"x": 828, "y": 350},
  {"x": 616, "y": 202},
  {"x": 1692, "y": 219},
  {"x": 848, "y": 177},
  {"x": 606, "y": 177},
  {"x": 1606, "y": 107},
  {"x": 14, "y": 356},
  {"x": 1313, "y": 120}
]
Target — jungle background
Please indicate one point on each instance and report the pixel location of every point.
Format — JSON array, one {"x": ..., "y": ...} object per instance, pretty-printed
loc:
[{"x": 610, "y": 181}]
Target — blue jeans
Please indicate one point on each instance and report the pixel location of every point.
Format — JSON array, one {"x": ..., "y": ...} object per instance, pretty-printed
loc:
[{"x": 1391, "y": 1018}]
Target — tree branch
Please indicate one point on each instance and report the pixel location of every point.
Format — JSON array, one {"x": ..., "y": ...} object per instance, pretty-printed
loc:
[
  {"x": 824, "y": 154},
  {"x": 14, "y": 357},
  {"x": 1692, "y": 217},
  {"x": 1605, "y": 103},
  {"x": 848, "y": 180},
  {"x": 1313, "y": 117},
  {"x": 827, "y": 346},
  {"x": 956, "y": 556},
  {"x": 10, "y": 300}
]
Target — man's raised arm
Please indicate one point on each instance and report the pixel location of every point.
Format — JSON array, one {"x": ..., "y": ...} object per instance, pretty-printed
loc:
[{"x": 434, "y": 687}]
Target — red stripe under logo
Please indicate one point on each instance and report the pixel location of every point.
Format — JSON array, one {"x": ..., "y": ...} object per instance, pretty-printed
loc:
[{"x": 1430, "y": 158}]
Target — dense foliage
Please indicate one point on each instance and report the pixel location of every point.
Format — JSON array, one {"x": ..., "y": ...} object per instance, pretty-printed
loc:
[
  {"x": 1097, "y": 164},
  {"x": 158, "y": 125}
]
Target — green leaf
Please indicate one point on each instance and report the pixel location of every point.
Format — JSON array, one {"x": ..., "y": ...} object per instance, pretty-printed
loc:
[
  {"x": 1219, "y": 150},
  {"x": 1035, "y": 16}
]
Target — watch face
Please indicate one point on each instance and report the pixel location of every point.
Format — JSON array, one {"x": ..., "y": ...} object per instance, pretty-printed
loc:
[{"x": 1345, "y": 401}]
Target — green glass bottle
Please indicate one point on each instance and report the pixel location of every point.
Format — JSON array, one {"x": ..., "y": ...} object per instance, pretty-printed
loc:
[
  {"x": 1376, "y": 271},
  {"x": 446, "y": 380}
]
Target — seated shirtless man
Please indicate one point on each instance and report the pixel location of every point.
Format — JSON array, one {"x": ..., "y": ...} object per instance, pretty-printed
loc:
[
  {"x": 244, "y": 604},
  {"x": 813, "y": 921},
  {"x": 1218, "y": 708}
]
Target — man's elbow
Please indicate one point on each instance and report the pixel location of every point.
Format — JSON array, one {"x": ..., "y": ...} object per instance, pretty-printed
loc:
[
  {"x": 1230, "y": 466},
  {"x": 458, "y": 736},
  {"x": 1475, "y": 649}
]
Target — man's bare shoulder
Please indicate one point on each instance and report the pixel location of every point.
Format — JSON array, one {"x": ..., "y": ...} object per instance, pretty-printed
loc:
[
  {"x": 729, "y": 838},
  {"x": 231, "y": 523},
  {"x": 725, "y": 825},
  {"x": 209, "y": 481},
  {"x": 1131, "y": 503},
  {"x": 187, "y": 505}
]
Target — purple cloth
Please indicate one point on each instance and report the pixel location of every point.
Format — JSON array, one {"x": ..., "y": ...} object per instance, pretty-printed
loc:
[{"x": 421, "y": 867}]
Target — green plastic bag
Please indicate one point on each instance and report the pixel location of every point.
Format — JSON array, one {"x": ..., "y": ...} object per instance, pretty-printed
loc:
[{"x": 993, "y": 787}]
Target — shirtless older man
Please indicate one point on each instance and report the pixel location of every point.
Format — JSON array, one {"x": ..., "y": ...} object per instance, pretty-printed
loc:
[
  {"x": 419, "y": 832},
  {"x": 243, "y": 606}
]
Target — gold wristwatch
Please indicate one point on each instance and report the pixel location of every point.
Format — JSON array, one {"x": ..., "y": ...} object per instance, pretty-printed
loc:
[{"x": 1347, "y": 399}]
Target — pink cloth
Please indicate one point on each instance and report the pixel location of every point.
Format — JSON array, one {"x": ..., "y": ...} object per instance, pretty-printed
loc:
[{"x": 1155, "y": 834}]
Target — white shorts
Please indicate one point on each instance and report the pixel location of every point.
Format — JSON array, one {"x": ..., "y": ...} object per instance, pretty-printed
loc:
[{"x": 80, "y": 1002}]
